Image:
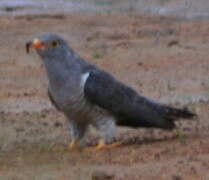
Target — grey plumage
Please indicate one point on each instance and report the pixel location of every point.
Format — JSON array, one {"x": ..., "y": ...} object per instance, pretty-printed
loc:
[{"x": 90, "y": 96}]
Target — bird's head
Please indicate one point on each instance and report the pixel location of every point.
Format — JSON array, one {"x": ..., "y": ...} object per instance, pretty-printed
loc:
[{"x": 48, "y": 45}]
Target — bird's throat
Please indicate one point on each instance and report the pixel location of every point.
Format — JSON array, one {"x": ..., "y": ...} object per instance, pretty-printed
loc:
[{"x": 57, "y": 72}]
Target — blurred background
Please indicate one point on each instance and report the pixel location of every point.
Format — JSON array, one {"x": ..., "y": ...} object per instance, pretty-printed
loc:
[
  {"x": 179, "y": 8},
  {"x": 158, "y": 47}
]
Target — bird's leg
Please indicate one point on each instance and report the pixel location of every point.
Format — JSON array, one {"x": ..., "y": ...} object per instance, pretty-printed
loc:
[
  {"x": 74, "y": 144},
  {"x": 107, "y": 128},
  {"x": 101, "y": 144},
  {"x": 77, "y": 131}
]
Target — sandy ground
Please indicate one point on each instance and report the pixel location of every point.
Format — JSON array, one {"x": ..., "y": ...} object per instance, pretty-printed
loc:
[{"x": 163, "y": 58}]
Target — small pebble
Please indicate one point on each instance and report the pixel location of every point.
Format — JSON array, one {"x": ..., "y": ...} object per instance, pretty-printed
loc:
[
  {"x": 101, "y": 175},
  {"x": 177, "y": 177}
]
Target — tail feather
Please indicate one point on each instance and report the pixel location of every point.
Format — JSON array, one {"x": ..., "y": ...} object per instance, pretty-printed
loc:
[
  {"x": 179, "y": 113},
  {"x": 156, "y": 116}
]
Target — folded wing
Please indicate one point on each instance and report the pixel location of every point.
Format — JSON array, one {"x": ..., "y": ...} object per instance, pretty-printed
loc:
[{"x": 128, "y": 107}]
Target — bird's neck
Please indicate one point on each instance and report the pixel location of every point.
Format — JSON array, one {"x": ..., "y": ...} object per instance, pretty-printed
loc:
[{"x": 59, "y": 72}]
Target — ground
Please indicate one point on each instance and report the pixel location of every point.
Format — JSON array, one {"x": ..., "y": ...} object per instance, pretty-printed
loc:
[{"x": 163, "y": 58}]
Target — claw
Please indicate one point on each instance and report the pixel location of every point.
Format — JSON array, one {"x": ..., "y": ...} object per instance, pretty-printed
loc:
[
  {"x": 108, "y": 146},
  {"x": 102, "y": 146}
]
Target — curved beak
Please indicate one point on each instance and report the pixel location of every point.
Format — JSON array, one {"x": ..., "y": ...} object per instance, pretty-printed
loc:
[{"x": 36, "y": 43}]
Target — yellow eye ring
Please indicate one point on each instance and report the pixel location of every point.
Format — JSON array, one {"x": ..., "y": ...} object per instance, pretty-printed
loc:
[{"x": 54, "y": 43}]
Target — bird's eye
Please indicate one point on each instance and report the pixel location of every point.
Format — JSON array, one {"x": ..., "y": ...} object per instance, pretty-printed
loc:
[{"x": 55, "y": 43}]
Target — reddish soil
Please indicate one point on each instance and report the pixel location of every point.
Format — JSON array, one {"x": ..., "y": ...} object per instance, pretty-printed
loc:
[{"x": 163, "y": 58}]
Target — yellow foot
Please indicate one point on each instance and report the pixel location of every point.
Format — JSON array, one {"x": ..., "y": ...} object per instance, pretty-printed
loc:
[
  {"x": 74, "y": 145},
  {"x": 108, "y": 146},
  {"x": 103, "y": 146}
]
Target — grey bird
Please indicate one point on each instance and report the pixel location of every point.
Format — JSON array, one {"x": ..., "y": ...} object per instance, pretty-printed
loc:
[{"x": 88, "y": 95}]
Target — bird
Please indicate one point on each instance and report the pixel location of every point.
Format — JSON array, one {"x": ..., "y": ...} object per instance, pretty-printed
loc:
[{"x": 89, "y": 96}]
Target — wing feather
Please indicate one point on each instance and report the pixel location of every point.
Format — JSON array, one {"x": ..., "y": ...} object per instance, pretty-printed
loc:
[{"x": 129, "y": 108}]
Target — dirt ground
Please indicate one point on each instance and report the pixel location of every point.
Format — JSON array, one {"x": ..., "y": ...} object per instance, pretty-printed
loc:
[{"x": 165, "y": 59}]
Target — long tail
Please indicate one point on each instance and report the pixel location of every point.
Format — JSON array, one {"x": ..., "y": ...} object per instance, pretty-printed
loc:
[
  {"x": 154, "y": 115},
  {"x": 178, "y": 113},
  {"x": 174, "y": 114}
]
